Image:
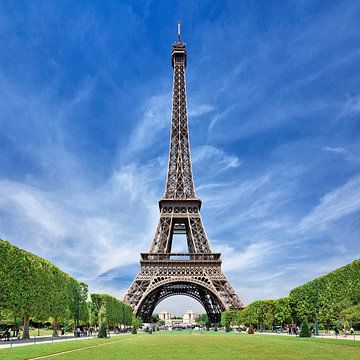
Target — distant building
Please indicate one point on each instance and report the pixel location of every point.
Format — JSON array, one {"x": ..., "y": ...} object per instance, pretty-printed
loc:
[
  {"x": 165, "y": 316},
  {"x": 189, "y": 318}
]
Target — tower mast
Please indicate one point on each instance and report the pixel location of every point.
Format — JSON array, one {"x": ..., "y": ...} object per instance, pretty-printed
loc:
[{"x": 179, "y": 184}]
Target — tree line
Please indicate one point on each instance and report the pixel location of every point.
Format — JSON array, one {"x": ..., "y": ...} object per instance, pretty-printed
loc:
[
  {"x": 33, "y": 288},
  {"x": 106, "y": 312},
  {"x": 332, "y": 300}
]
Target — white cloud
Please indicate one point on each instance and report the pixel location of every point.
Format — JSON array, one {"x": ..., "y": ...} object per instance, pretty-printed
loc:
[
  {"x": 199, "y": 110},
  {"x": 32, "y": 206},
  {"x": 352, "y": 105},
  {"x": 336, "y": 204},
  {"x": 339, "y": 150},
  {"x": 214, "y": 157},
  {"x": 251, "y": 257},
  {"x": 102, "y": 229},
  {"x": 155, "y": 116}
]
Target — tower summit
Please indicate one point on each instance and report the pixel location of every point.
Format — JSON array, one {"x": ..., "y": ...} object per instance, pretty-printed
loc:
[
  {"x": 196, "y": 273},
  {"x": 179, "y": 184}
]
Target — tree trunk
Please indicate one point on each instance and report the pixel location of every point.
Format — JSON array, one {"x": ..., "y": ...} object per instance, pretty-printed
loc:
[
  {"x": 14, "y": 328},
  {"x": 55, "y": 327},
  {"x": 26, "y": 334}
]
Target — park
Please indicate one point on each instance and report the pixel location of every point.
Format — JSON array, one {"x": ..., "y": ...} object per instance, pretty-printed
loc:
[
  {"x": 119, "y": 240},
  {"x": 191, "y": 345}
]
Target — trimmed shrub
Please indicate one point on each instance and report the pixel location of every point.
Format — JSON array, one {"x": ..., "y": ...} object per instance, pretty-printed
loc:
[
  {"x": 305, "y": 330},
  {"x": 102, "y": 331}
]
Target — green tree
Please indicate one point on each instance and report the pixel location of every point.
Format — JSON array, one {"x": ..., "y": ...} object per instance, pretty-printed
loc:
[
  {"x": 78, "y": 306},
  {"x": 351, "y": 314},
  {"x": 102, "y": 322},
  {"x": 113, "y": 312},
  {"x": 154, "y": 318},
  {"x": 244, "y": 316},
  {"x": 136, "y": 324},
  {"x": 93, "y": 313},
  {"x": 260, "y": 313},
  {"x": 326, "y": 296},
  {"x": 32, "y": 287},
  {"x": 202, "y": 320},
  {"x": 25, "y": 282},
  {"x": 230, "y": 318},
  {"x": 59, "y": 296},
  {"x": 305, "y": 331},
  {"x": 282, "y": 311}
]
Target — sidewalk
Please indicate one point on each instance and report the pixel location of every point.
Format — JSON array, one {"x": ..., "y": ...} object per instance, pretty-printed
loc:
[
  {"x": 45, "y": 339},
  {"x": 321, "y": 336}
]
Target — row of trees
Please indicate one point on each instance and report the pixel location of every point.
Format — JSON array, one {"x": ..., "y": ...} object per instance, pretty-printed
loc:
[
  {"x": 329, "y": 299},
  {"x": 34, "y": 288},
  {"x": 261, "y": 313},
  {"x": 106, "y": 311}
]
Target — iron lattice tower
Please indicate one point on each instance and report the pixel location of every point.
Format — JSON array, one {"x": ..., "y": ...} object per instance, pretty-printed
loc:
[{"x": 197, "y": 273}]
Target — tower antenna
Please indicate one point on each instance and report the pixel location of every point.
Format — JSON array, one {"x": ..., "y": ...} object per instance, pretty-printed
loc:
[{"x": 179, "y": 24}]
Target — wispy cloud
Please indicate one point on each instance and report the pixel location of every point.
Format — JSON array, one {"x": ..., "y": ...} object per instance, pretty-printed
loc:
[
  {"x": 214, "y": 156},
  {"x": 336, "y": 204},
  {"x": 155, "y": 113},
  {"x": 199, "y": 110},
  {"x": 339, "y": 150},
  {"x": 352, "y": 105},
  {"x": 250, "y": 258}
]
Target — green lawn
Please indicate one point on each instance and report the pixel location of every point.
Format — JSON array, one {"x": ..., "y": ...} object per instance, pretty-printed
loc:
[
  {"x": 40, "y": 332},
  {"x": 195, "y": 346}
]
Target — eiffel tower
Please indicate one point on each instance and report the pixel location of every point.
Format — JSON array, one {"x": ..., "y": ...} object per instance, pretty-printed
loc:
[{"x": 197, "y": 273}]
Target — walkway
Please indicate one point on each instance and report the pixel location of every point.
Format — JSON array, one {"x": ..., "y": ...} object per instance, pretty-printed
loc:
[
  {"x": 321, "y": 336},
  {"x": 45, "y": 339}
]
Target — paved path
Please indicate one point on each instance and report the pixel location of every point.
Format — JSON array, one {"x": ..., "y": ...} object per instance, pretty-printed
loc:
[
  {"x": 14, "y": 342},
  {"x": 48, "y": 339},
  {"x": 321, "y": 336}
]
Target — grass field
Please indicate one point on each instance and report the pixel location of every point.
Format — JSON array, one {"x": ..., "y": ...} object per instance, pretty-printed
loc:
[{"x": 193, "y": 346}]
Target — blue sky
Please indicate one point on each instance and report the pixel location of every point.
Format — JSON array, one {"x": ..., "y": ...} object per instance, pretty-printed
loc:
[{"x": 274, "y": 108}]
